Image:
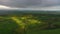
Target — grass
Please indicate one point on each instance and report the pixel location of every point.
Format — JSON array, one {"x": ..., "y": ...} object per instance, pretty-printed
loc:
[
  {"x": 8, "y": 25},
  {"x": 54, "y": 31}
]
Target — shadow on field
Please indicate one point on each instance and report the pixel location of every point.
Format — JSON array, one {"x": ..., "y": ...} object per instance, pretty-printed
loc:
[{"x": 7, "y": 26}]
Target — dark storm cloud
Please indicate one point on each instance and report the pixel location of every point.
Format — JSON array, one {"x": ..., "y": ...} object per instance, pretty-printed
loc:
[{"x": 29, "y": 3}]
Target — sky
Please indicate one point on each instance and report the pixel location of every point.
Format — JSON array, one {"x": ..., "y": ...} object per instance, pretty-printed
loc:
[{"x": 33, "y": 4}]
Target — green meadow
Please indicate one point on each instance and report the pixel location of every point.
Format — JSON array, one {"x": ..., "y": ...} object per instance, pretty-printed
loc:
[{"x": 30, "y": 24}]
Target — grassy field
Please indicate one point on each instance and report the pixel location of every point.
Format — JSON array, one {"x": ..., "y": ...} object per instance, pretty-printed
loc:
[
  {"x": 54, "y": 31},
  {"x": 30, "y": 24}
]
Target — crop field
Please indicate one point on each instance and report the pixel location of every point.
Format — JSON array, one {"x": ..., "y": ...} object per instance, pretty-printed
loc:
[{"x": 30, "y": 24}]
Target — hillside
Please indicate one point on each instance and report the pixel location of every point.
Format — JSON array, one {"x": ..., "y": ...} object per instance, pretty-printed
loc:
[{"x": 29, "y": 22}]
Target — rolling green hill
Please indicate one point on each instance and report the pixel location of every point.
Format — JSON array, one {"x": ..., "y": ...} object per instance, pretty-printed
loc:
[{"x": 29, "y": 22}]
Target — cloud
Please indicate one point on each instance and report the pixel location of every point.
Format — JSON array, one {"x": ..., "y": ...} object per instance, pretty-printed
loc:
[
  {"x": 29, "y": 3},
  {"x": 50, "y": 8},
  {"x": 6, "y": 7}
]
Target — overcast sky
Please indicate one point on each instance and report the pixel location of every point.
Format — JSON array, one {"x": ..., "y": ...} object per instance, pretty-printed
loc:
[{"x": 29, "y": 3}]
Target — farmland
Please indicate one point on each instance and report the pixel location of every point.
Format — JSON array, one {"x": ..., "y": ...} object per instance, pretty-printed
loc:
[{"x": 29, "y": 23}]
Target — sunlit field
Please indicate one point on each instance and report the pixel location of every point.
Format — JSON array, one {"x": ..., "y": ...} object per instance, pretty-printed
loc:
[{"x": 30, "y": 24}]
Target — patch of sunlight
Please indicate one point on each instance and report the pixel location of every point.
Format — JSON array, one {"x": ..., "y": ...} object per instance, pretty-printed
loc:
[
  {"x": 33, "y": 21},
  {"x": 24, "y": 17},
  {"x": 1, "y": 17},
  {"x": 19, "y": 22},
  {"x": 22, "y": 25},
  {"x": 39, "y": 22},
  {"x": 16, "y": 20}
]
